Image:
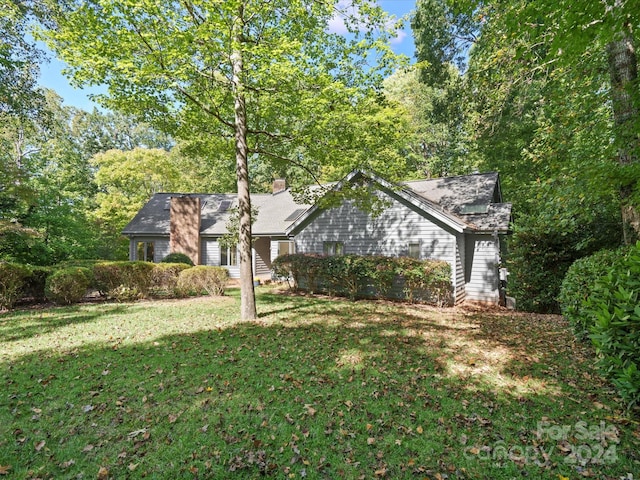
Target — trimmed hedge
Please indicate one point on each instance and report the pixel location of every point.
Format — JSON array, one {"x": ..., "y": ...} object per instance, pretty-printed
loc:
[
  {"x": 35, "y": 283},
  {"x": 579, "y": 282},
  {"x": 614, "y": 309},
  {"x": 12, "y": 281},
  {"x": 196, "y": 280},
  {"x": 164, "y": 279},
  {"x": 68, "y": 285},
  {"x": 178, "y": 257},
  {"x": 356, "y": 276},
  {"x": 123, "y": 281}
]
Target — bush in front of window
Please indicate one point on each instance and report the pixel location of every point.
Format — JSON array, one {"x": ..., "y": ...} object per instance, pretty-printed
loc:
[
  {"x": 358, "y": 276},
  {"x": 426, "y": 279},
  {"x": 164, "y": 279},
  {"x": 177, "y": 257},
  {"x": 300, "y": 267},
  {"x": 203, "y": 279}
]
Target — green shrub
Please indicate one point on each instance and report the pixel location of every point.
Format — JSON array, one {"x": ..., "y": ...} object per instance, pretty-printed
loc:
[
  {"x": 368, "y": 276},
  {"x": 164, "y": 278},
  {"x": 578, "y": 284},
  {"x": 123, "y": 281},
  {"x": 36, "y": 281},
  {"x": 178, "y": 257},
  {"x": 614, "y": 305},
  {"x": 430, "y": 280},
  {"x": 196, "y": 280},
  {"x": 547, "y": 242},
  {"x": 68, "y": 285},
  {"x": 78, "y": 263},
  {"x": 12, "y": 283},
  {"x": 299, "y": 267}
]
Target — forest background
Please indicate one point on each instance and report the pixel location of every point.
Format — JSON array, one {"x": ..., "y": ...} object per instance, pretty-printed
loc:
[{"x": 546, "y": 94}]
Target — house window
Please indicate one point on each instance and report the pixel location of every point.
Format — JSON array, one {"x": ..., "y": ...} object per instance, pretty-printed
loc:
[
  {"x": 145, "y": 251},
  {"x": 333, "y": 248},
  {"x": 414, "y": 250},
  {"x": 229, "y": 256},
  {"x": 285, "y": 248}
]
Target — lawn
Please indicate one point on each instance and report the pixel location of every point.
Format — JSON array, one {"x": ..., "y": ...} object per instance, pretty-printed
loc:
[{"x": 316, "y": 388}]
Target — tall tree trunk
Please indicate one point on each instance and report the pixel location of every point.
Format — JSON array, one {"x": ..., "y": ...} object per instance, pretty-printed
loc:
[
  {"x": 247, "y": 293},
  {"x": 623, "y": 65}
]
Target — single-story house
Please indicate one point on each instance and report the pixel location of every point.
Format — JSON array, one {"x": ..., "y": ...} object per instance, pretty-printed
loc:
[{"x": 461, "y": 220}]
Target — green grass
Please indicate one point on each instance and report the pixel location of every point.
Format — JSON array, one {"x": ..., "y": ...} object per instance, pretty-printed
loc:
[{"x": 316, "y": 388}]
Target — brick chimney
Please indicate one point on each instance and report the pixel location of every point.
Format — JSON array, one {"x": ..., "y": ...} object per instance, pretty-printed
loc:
[
  {"x": 184, "y": 230},
  {"x": 279, "y": 185}
]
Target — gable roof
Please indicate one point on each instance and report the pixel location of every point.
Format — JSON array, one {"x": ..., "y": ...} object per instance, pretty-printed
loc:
[{"x": 463, "y": 203}]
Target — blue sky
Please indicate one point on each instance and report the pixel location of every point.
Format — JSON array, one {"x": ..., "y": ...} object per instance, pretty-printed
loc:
[{"x": 51, "y": 76}]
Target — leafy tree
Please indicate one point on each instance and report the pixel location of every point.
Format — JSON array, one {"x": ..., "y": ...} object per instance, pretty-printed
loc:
[
  {"x": 99, "y": 131},
  {"x": 268, "y": 76},
  {"x": 48, "y": 195},
  {"x": 582, "y": 53},
  {"x": 51, "y": 168},
  {"x": 436, "y": 145},
  {"x": 539, "y": 86},
  {"x": 19, "y": 61},
  {"x": 127, "y": 179}
]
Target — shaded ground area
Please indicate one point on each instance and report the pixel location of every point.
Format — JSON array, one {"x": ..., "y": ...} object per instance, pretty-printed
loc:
[{"x": 316, "y": 388}]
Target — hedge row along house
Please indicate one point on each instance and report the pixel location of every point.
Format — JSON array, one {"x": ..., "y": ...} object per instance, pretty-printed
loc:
[{"x": 461, "y": 220}]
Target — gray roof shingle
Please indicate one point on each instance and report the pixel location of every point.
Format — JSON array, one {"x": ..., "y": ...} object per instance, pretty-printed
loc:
[
  {"x": 275, "y": 214},
  {"x": 473, "y": 200}
]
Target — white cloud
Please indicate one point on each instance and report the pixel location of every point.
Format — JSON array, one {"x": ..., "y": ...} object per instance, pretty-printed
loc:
[
  {"x": 399, "y": 38},
  {"x": 346, "y": 9},
  {"x": 343, "y": 9},
  {"x": 336, "y": 25}
]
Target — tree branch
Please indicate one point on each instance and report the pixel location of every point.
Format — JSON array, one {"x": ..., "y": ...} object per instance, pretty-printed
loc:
[{"x": 260, "y": 151}]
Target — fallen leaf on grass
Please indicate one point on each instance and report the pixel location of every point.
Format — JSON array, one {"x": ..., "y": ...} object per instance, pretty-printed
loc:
[
  {"x": 419, "y": 429},
  {"x": 133, "y": 466},
  {"x": 4, "y": 469},
  {"x": 103, "y": 473},
  {"x": 371, "y": 441},
  {"x": 382, "y": 472},
  {"x": 135, "y": 433},
  {"x": 38, "y": 446}
]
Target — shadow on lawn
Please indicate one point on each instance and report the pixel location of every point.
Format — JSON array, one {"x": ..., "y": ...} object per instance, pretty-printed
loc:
[
  {"x": 333, "y": 389},
  {"x": 31, "y": 322}
]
